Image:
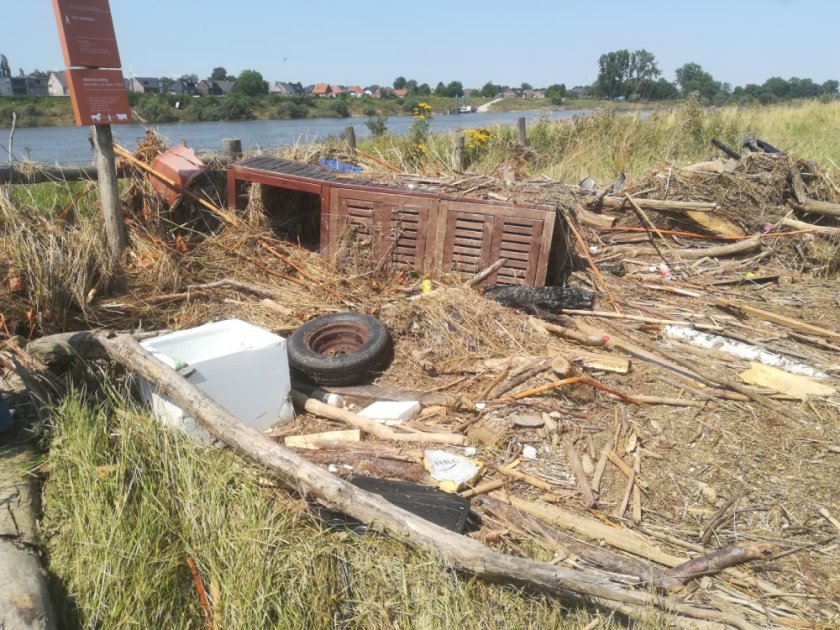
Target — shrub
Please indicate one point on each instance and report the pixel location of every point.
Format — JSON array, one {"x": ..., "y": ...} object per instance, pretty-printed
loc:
[
  {"x": 340, "y": 108},
  {"x": 377, "y": 125}
]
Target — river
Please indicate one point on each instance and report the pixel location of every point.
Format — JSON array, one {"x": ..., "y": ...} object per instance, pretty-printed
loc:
[{"x": 69, "y": 145}]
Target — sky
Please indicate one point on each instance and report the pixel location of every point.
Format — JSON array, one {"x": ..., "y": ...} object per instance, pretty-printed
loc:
[{"x": 368, "y": 42}]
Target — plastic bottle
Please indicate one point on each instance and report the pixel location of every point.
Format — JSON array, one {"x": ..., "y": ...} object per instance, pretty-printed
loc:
[{"x": 665, "y": 271}]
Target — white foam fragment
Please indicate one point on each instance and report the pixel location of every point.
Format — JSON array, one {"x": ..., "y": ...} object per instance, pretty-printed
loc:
[{"x": 741, "y": 350}]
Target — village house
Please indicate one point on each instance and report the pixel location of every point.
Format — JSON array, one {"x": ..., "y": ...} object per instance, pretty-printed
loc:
[
  {"x": 355, "y": 91},
  {"x": 281, "y": 88},
  {"x": 57, "y": 84},
  {"x": 321, "y": 90},
  {"x": 209, "y": 87},
  {"x": 145, "y": 85},
  {"x": 180, "y": 86}
]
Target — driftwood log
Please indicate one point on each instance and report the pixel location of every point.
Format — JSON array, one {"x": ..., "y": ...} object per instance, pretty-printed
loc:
[
  {"x": 457, "y": 551},
  {"x": 718, "y": 251}
]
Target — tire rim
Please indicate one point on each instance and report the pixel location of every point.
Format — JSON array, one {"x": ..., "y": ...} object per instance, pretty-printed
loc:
[{"x": 337, "y": 339}]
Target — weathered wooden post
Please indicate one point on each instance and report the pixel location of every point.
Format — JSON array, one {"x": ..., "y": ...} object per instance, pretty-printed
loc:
[
  {"x": 232, "y": 148},
  {"x": 106, "y": 171},
  {"x": 350, "y": 138},
  {"x": 523, "y": 138},
  {"x": 458, "y": 154},
  {"x": 98, "y": 95}
]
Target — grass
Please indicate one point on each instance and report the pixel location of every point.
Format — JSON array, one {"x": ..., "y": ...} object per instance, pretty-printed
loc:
[
  {"x": 636, "y": 140},
  {"x": 127, "y": 502}
]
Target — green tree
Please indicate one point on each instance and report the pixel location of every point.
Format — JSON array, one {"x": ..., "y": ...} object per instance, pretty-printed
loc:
[
  {"x": 411, "y": 86},
  {"x": 830, "y": 87},
  {"x": 490, "y": 89},
  {"x": 455, "y": 89},
  {"x": 424, "y": 90},
  {"x": 777, "y": 86},
  {"x": 166, "y": 83},
  {"x": 189, "y": 78},
  {"x": 612, "y": 72},
  {"x": 692, "y": 78},
  {"x": 556, "y": 92},
  {"x": 250, "y": 83},
  {"x": 526, "y": 86},
  {"x": 642, "y": 69},
  {"x": 219, "y": 74},
  {"x": 440, "y": 89},
  {"x": 399, "y": 83}
]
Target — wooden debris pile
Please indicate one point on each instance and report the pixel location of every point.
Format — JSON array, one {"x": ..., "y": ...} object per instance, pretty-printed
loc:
[{"x": 643, "y": 448}]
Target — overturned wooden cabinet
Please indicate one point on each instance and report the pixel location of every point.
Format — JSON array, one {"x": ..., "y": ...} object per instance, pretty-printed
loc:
[{"x": 428, "y": 231}]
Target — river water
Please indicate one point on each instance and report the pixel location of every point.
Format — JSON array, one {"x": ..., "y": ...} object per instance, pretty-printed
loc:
[{"x": 70, "y": 145}]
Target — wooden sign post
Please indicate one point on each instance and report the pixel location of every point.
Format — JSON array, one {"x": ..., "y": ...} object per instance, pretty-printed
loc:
[{"x": 98, "y": 94}]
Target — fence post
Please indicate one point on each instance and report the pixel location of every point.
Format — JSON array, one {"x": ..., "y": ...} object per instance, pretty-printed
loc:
[
  {"x": 350, "y": 138},
  {"x": 232, "y": 147},
  {"x": 458, "y": 154},
  {"x": 523, "y": 138}
]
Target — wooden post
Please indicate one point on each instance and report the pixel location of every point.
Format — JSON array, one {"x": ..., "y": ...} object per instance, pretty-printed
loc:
[
  {"x": 350, "y": 138},
  {"x": 232, "y": 147},
  {"x": 458, "y": 154},
  {"x": 12, "y": 139},
  {"x": 106, "y": 170},
  {"x": 523, "y": 138}
]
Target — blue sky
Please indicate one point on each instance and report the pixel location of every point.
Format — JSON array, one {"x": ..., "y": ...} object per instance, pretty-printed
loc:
[{"x": 371, "y": 41}]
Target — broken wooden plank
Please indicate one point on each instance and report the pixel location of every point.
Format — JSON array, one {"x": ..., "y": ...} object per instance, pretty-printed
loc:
[
  {"x": 795, "y": 324},
  {"x": 314, "y": 441},
  {"x": 577, "y": 468},
  {"x": 778, "y": 380},
  {"x": 602, "y": 362},
  {"x": 617, "y": 537}
]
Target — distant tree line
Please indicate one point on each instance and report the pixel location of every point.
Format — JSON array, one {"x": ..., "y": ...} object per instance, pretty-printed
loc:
[{"x": 635, "y": 75}]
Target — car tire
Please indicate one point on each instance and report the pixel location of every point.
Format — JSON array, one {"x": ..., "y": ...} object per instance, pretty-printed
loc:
[{"x": 340, "y": 349}]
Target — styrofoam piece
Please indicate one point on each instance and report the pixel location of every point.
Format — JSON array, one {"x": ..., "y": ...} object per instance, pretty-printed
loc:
[
  {"x": 242, "y": 367},
  {"x": 391, "y": 412},
  {"x": 741, "y": 350},
  {"x": 452, "y": 472}
]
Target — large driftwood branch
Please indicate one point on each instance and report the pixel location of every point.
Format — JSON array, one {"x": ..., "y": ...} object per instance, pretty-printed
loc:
[
  {"x": 731, "y": 249},
  {"x": 458, "y": 551}
]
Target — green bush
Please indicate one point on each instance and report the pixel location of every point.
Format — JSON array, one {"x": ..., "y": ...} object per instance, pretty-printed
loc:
[
  {"x": 156, "y": 109},
  {"x": 340, "y": 108},
  {"x": 377, "y": 125},
  {"x": 369, "y": 110}
]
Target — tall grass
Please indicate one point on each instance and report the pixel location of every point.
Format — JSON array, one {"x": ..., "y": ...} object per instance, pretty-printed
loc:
[
  {"x": 128, "y": 502},
  {"x": 612, "y": 140}
]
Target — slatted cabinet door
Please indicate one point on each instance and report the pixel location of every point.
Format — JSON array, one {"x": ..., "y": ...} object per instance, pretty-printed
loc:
[
  {"x": 395, "y": 226},
  {"x": 472, "y": 236}
]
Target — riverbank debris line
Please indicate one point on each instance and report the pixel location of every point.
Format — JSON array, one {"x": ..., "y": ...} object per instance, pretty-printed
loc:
[{"x": 645, "y": 463}]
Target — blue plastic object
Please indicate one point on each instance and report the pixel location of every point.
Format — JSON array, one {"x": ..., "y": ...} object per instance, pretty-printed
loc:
[{"x": 337, "y": 165}]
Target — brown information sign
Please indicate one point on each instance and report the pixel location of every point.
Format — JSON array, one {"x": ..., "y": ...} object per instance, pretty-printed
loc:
[
  {"x": 86, "y": 30},
  {"x": 99, "y": 97}
]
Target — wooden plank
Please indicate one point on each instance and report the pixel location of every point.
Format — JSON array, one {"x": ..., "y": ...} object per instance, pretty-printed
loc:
[
  {"x": 314, "y": 441},
  {"x": 326, "y": 228},
  {"x": 795, "y": 385},
  {"x": 794, "y": 324}
]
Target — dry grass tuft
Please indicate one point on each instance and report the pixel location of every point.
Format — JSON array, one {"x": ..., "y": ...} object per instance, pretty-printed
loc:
[{"x": 60, "y": 264}]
